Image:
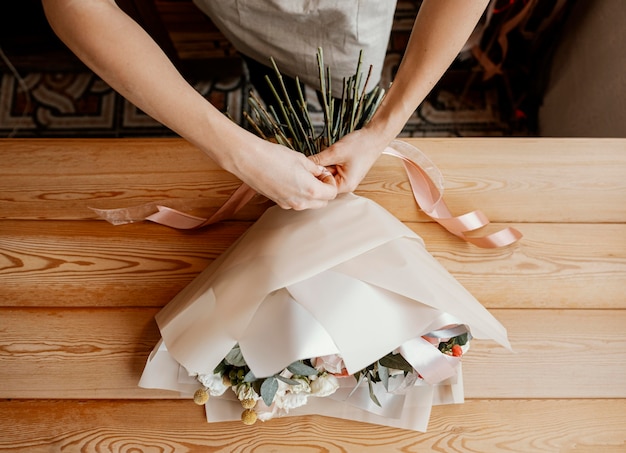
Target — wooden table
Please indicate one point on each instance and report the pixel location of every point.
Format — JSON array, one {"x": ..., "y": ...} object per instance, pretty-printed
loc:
[{"x": 78, "y": 297}]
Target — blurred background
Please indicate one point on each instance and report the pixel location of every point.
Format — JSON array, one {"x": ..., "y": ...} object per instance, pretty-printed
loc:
[{"x": 531, "y": 68}]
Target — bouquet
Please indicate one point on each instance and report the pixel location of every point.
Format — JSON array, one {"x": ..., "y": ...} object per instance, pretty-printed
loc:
[{"x": 339, "y": 311}]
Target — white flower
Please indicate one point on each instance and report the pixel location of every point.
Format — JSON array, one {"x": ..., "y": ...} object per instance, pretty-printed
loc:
[
  {"x": 303, "y": 386},
  {"x": 214, "y": 383},
  {"x": 245, "y": 391},
  {"x": 324, "y": 385},
  {"x": 291, "y": 400},
  {"x": 289, "y": 397}
]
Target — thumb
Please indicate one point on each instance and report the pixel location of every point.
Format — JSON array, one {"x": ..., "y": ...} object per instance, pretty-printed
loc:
[
  {"x": 326, "y": 158},
  {"x": 325, "y": 177}
]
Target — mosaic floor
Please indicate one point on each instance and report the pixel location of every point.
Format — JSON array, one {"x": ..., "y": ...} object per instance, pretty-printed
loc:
[
  {"x": 54, "y": 104},
  {"x": 69, "y": 104}
]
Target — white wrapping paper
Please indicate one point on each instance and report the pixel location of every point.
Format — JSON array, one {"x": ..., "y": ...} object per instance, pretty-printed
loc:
[{"x": 348, "y": 279}]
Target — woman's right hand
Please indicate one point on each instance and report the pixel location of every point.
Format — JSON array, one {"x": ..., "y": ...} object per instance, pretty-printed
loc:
[{"x": 284, "y": 176}]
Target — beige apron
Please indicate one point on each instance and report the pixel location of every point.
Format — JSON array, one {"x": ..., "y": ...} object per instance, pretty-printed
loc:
[{"x": 291, "y": 31}]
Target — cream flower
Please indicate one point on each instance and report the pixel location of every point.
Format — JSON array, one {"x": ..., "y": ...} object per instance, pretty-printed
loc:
[
  {"x": 291, "y": 400},
  {"x": 213, "y": 383},
  {"x": 303, "y": 386},
  {"x": 245, "y": 391},
  {"x": 324, "y": 385}
]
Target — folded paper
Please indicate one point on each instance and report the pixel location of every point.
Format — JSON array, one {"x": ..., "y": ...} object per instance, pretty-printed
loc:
[{"x": 348, "y": 279}]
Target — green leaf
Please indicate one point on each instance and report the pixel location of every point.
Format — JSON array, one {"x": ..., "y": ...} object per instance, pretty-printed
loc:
[
  {"x": 235, "y": 358},
  {"x": 396, "y": 362},
  {"x": 359, "y": 378},
  {"x": 372, "y": 395},
  {"x": 268, "y": 390},
  {"x": 383, "y": 374},
  {"x": 301, "y": 369},
  {"x": 220, "y": 368},
  {"x": 462, "y": 339},
  {"x": 249, "y": 377}
]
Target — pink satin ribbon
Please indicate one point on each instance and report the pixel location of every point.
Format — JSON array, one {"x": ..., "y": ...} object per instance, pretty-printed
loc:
[
  {"x": 426, "y": 193},
  {"x": 429, "y": 199},
  {"x": 180, "y": 220}
]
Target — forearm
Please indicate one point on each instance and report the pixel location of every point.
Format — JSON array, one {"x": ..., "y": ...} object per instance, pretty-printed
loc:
[
  {"x": 123, "y": 54},
  {"x": 440, "y": 30}
]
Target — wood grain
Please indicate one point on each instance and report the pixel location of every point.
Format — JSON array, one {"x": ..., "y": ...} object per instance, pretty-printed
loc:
[
  {"x": 100, "y": 353},
  {"x": 475, "y": 426},
  {"x": 61, "y": 263},
  {"x": 92, "y": 263},
  {"x": 533, "y": 181}
]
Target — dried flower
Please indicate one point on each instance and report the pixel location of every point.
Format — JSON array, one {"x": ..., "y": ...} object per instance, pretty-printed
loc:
[
  {"x": 200, "y": 397},
  {"x": 248, "y": 403},
  {"x": 248, "y": 417}
]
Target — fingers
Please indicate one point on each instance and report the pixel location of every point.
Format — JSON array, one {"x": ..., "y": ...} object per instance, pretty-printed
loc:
[
  {"x": 326, "y": 176},
  {"x": 325, "y": 158},
  {"x": 313, "y": 193}
]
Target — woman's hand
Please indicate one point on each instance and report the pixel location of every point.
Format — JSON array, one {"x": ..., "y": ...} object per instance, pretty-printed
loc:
[
  {"x": 285, "y": 176},
  {"x": 351, "y": 158}
]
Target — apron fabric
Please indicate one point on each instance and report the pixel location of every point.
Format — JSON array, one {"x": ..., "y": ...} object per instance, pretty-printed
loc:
[{"x": 292, "y": 31}]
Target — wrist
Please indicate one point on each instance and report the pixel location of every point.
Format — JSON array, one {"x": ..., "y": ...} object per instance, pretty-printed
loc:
[
  {"x": 389, "y": 120},
  {"x": 227, "y": 144}
]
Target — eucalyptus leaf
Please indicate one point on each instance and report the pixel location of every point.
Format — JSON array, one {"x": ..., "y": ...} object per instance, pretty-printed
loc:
[
  {"x": 372, "y": 395},
  {"x": 220, "y": 368},
  {"x": 249, "y": 377},
  {"x": 396, "y": 362},
  {"x": 235, "y": 357},
  {"x": 359, "y": 378},
  {"x": 302, "y": 369},
  {"x": 269, "y": 387},
  {"x": 383, "y": 374}
]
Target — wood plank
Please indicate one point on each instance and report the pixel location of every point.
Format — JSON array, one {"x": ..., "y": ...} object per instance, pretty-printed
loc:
[
  {"x": 533, "y": 179},
  {"x": 91, "y": 263},
  {"x": 529, "y": 180},
  {"x": 475, "y": 426},
  {"x": 100, "y": 353},
  {"x": 553, "y": 266},
  {"x": 62, "y": 179}
]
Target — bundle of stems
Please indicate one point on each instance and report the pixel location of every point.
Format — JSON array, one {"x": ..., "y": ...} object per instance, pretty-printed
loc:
[{"x": 289, "y": 123}]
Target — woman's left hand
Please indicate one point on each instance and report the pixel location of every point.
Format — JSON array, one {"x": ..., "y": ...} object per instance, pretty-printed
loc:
[{"x": 351, "y": 158}]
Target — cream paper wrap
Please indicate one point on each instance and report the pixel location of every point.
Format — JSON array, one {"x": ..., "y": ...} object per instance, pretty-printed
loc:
[{"x": 348, "y": 279}]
